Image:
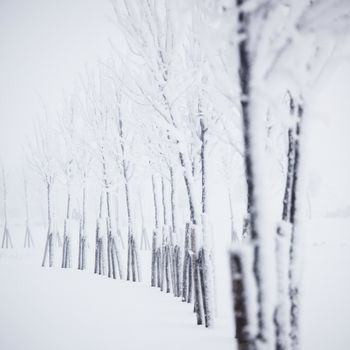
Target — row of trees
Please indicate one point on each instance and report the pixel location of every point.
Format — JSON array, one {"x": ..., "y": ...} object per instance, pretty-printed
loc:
[{"x": 190, "y": 82}]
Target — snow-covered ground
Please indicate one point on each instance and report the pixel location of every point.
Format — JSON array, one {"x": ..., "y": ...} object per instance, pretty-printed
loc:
[
  {"x": 326, "y": 287},
  {"x": 43, "y": 308}
]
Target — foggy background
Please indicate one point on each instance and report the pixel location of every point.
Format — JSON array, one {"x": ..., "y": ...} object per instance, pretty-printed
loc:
[{"x": 46, "y": 45}]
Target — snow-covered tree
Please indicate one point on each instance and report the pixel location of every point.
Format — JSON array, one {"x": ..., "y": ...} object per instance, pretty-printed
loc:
[
  {"x": 42, "y": 156},
  {"x": 6, "y": 237}
]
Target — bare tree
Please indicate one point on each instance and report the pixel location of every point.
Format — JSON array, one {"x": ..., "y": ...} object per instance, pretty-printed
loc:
[
  {"x": 6, "y": 238},
  {"x": 28, "y": 239},
  {"x": 42, "y": 157},
  {"x": 101, "y": 118},
  {"x": 133, "y": 264},
  {"x": 83, "y": 162},
  {"x": 68, "y": 132}
]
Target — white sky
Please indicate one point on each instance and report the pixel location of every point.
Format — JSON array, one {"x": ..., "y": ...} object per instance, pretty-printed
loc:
[{"x": 44, "y": 46}]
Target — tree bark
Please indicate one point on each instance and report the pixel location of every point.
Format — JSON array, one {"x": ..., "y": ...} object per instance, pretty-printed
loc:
[
  {"x": 6, "y": 240},
  {"x": 49, "y": 241},
  {"x": 28, "y": 239},
  {"x": 132, "y": 253},
  {"x": 196, "y": 284},
  {"x": 66, "y": 237},
  {"x": 239, "y": 269},
  {"x": 244, "y": 68},
  {"x": 293, "y": 251},
  {"x": 186, "y": 263},
  {"x": 205, "y": 280},
  {"x": 154, "y": 259},
  {"x": 234, "y": 236},
  {"x": 155, "y": 267}
]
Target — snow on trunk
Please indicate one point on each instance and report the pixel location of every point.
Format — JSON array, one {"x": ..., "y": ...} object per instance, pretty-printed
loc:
[
  {"x": 244, "y": 296},
  {"x": 253, "y": 133}
]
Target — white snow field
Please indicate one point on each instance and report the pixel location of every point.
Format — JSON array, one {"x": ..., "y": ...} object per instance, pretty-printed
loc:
[
  {"x": 326, "y": 286},
  {"x": 49, "y": 309}
]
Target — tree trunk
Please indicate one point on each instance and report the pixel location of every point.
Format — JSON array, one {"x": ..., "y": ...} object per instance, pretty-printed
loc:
[
  {"x": 244, "y": 324},
  {"x": 244, "y": 67},
  {"x": 48, "y": 252},
  {"x": 194, "y": 221},
  {"x": 159, "y": 253},
  {"x": 82, "y": 231},
  {"x": 282, "y": 318},
  {"x": 294, "y": 241},
  {"x": 281, "y": 315},
  {"x": 162, "y": 271},
  {"x": 28, "y": 239},
  {"x": 172, "y": 200},
  {"x": 154, "y": 259},
  {"x": 97, "y": 248},
  {"x": 186, "y": 265},
  {"x": 177, "y": 268},
  {"x": 155, "y": 267},
  {"x": 132, "y": 263},
  {"x": 155, "y": 203},
  {"x": 66, "y": 237},
  {"x": 80, "y": 253},
  {"x": 196, "y": 284},
  {"x": 119, "y": 234},
  {"x": 118, "y": 259},
  {"x": 167, "y": 268},
  {"x": 6, "y": 239},
  {"x": 206, "y": 285},
  {"x": 110, "y": 257},
  {"x": 234, "y": 236}
]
